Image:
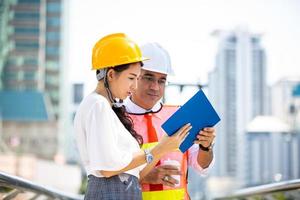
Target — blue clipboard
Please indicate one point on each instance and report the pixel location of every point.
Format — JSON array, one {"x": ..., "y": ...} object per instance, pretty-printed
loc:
[{"x": 199, "y": 112}]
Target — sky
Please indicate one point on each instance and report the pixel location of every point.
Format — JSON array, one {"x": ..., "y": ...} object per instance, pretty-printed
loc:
[{"x": 184, "y": 29}]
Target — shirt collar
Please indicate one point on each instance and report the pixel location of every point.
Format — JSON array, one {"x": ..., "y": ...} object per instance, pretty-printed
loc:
[{"x": 133, "y": 108}]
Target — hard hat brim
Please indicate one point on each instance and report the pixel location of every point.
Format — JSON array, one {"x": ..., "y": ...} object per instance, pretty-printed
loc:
[{"x": 124, "y": 63}]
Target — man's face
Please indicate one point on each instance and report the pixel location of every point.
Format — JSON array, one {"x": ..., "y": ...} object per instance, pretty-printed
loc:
[{"x": 150, "y": 89}]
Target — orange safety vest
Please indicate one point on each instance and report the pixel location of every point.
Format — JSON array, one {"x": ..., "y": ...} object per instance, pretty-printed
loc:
[{"x": 140, "y": 125}]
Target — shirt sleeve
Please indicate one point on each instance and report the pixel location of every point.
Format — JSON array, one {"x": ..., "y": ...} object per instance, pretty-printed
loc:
[
  {"x": 192, "y": 161},
  {"x": 102, "y": 140}
]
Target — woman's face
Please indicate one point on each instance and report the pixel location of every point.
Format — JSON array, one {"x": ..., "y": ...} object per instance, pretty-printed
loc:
[{"x": 123, "y": 83}]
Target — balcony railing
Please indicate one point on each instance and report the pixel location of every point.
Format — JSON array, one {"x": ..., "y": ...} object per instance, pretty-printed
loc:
[
  {"x": 281, "y": 190},
  {"x": 13, "y": 187}
]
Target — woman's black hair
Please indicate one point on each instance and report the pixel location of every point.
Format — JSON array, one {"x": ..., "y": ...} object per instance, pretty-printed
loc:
[
  {"x": 128, "y": 123},
  {"x": 121, "y": 111}
]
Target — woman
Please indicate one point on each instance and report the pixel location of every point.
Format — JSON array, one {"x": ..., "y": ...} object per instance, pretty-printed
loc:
[{"x": 108, "y": 145}]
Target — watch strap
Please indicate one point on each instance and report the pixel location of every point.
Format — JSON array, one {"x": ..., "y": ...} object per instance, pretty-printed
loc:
[{"x": 207, "y": 149}]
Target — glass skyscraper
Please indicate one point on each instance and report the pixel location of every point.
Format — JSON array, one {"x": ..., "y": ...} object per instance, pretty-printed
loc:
[
  {"x": 30, "y": 52},
  {"x": 31, "y": 71},
  {"x": 237, "y": 87}
]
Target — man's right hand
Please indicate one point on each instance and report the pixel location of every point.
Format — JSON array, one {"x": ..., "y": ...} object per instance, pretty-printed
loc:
[{"x": 157, "y": 175}]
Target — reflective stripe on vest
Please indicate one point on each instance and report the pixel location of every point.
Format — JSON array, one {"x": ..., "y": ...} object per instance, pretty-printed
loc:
[
  {"x": 140, "y": 125},
  {"x": 149, "y": 145},
  {"x": 164, "y": 195}
]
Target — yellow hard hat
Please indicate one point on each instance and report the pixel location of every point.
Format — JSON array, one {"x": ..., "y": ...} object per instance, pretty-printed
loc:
[{"x": 115, "y": 49}]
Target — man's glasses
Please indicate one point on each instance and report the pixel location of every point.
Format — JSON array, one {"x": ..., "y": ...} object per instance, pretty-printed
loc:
[{"x": 152, "y": 80}]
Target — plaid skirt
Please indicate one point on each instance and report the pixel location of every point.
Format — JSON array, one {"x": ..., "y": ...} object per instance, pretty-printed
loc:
[{"x": 119, "y": 187}]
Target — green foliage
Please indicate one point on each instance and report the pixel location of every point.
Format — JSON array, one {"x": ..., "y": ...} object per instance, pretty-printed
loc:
[
  {"x": 279, "y": 196},
  {"x": 83, "y": 186},
  {"x": 5, "y": 189}
]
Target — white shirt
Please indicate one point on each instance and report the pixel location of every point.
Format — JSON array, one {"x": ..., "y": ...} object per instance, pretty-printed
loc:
[
  {"x": 136, "y": 109},
  {"x": 103, "y": 142}
]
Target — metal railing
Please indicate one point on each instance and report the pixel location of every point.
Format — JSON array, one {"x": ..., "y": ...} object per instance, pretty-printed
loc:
[
  {"x": 281, "y": 190},
  {"x": 12, "y": 187}
]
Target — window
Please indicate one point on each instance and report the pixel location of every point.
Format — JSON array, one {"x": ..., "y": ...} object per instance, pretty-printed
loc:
[
  {"x": 11, "y": 76},
  {"x": 29, "y": 1},
  {"x": 52, "y": 65},
  {"x": 53, "y": 21},
  {"x": 22, "y": 16},
  {"x": 77, "y": 93},
  {"x": 31, "y": 61},
  {"x": 52, "y": 50},
  {"x": 29, "y": 75},
  {"x": 255, "y": 40},
  {"x": 11, "y": 62},
  {"x": 232, "y": 39},
  {"x": 26, "y": 45},
  {"x": 27, "y": 31},
  {"x": 53, "y": 7},
  {"x": 52, "y": 36}
]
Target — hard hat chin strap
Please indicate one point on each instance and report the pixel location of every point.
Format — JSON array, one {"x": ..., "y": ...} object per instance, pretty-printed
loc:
[
  {"x": 101, "y": 74},
  {"x": 116, "y": 102}
]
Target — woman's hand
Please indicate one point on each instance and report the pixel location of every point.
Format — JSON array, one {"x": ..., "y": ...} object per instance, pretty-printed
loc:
[{"x": 171, "y": 143}]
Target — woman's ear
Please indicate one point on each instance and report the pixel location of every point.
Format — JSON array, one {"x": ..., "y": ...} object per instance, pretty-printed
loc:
[{"x": 110, "y": 74}]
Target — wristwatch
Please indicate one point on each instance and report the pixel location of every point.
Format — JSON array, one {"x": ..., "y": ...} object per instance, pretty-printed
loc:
[
  {"x": 209, "y": 148},
  {"x": 149, "y": 156}
]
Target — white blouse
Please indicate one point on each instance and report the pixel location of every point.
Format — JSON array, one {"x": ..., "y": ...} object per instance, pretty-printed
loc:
[{"x": 103, "y": 142}]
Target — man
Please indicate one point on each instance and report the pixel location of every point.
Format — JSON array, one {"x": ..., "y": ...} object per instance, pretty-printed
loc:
[{"x": 148, "y": 114}]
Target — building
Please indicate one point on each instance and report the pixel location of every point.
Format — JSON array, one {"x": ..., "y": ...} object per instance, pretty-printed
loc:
[
  {"x": 237, "y": 88},
  {"x": 27, "y": 126},
  {"x": 273, "y": 151},
  {"x": 72, "y": 154},
  {"x": 284, "y": 104},
  {"x": 30, "y": 63},
  {"x": 31, "y": 32}
]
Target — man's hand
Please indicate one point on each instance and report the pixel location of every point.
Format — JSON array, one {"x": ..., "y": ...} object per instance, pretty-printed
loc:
[
  {"x": 206, "y": 137},
  {"x": 159, "y": 173}
]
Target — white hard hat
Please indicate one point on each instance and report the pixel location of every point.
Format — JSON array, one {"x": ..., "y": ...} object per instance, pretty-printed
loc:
[{"x": 159, "y": 59}]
